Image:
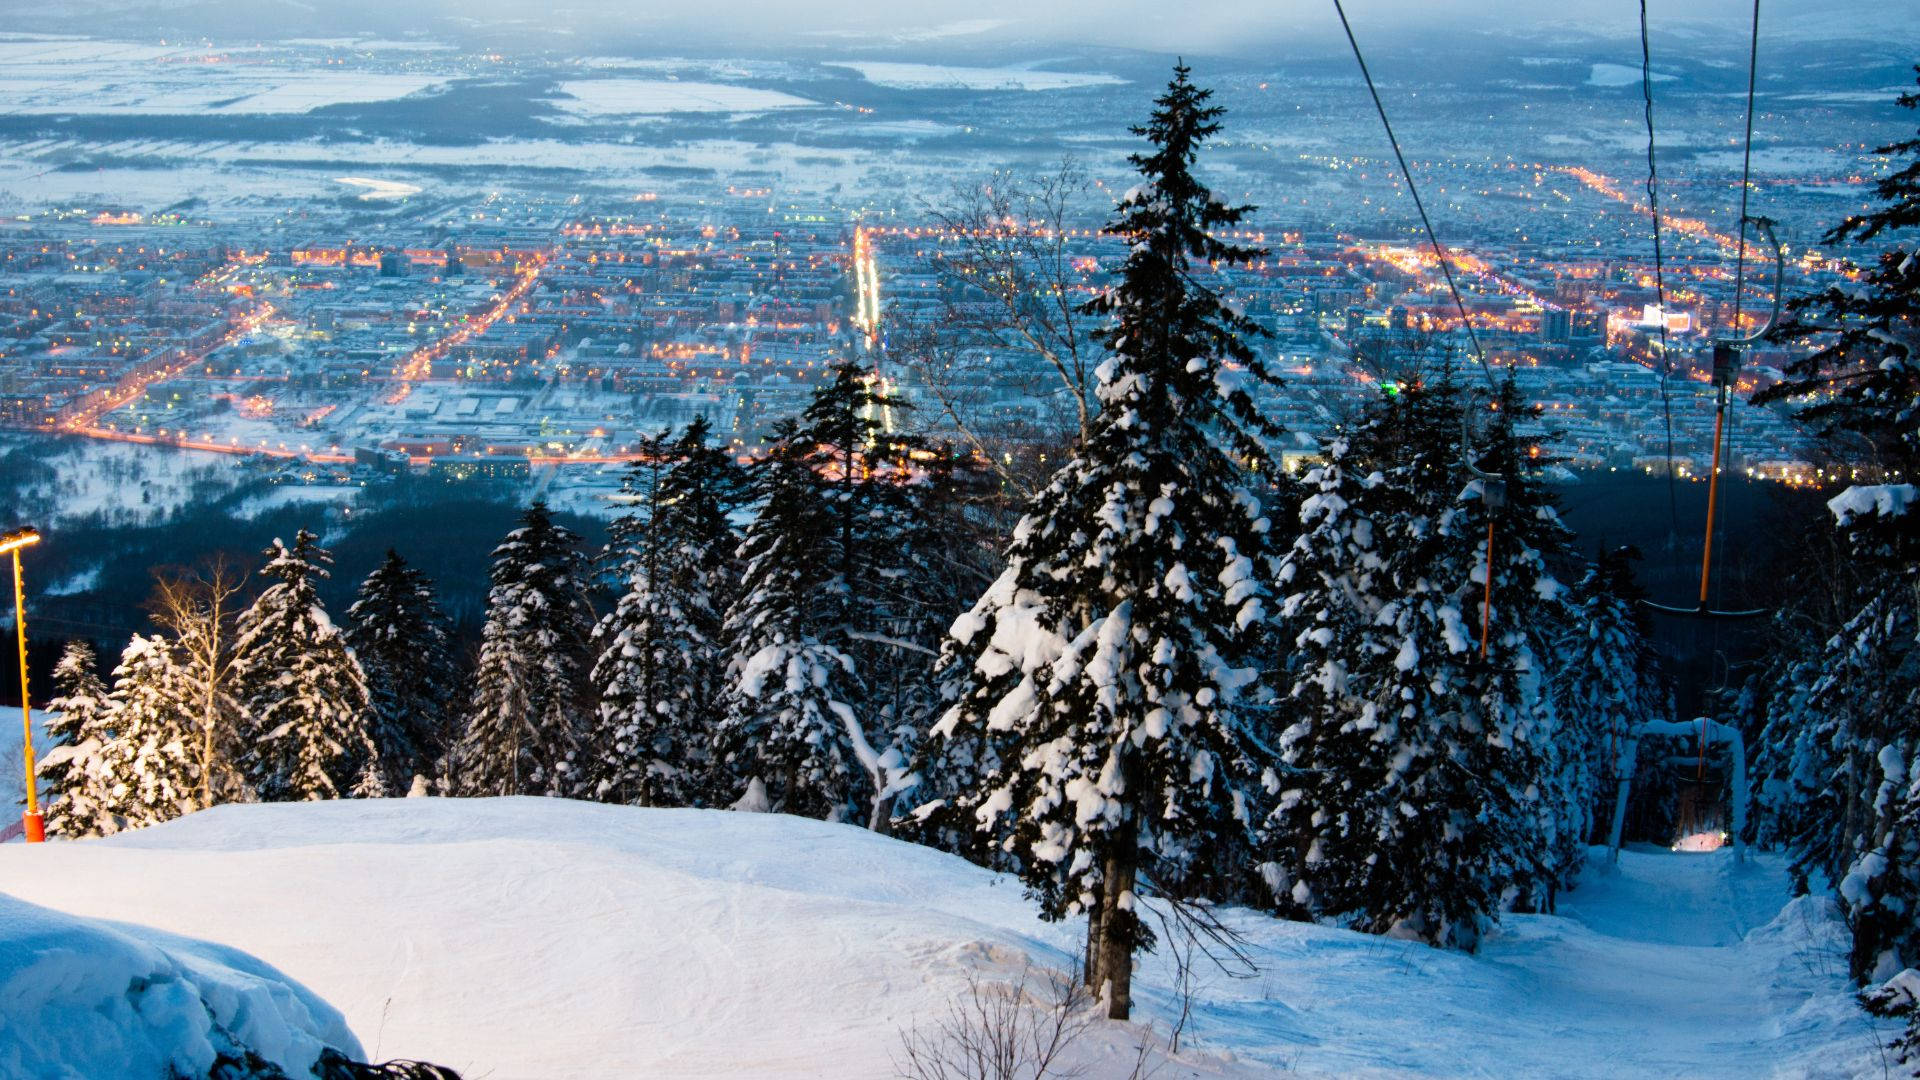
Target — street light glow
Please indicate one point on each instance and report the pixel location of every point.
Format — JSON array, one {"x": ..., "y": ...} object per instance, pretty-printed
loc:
[{"x": 15, "y": 539}]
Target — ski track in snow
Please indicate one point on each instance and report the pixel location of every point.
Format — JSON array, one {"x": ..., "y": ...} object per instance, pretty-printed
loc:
[{"x": 534, "y": 938}]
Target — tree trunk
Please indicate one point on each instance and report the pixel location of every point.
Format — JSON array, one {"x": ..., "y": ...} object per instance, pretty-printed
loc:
[
  {"x": 206, "y": 714},
  {"x": 880, "y": 820},
  {"x": 1091, "y": 961},
  {"x": 1116, "y": 930}
]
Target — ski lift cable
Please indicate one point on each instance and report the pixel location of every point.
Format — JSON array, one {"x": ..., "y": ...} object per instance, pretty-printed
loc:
[
  {"x": 1746, "y": 171},
  {"x": 1659, "y": 269},
  {"x": 1488, "y": 480},
  {"x": 1739, "y": 281},
  {"x": 1725, "y": 350},
  {"x": 1446, "y": 268},
  {"x": 1765, "y": 226},
  {"x": 1739, "y": 296}
]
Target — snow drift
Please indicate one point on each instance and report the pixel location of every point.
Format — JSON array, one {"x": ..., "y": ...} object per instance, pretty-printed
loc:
[{"x": 82, "y": 998}]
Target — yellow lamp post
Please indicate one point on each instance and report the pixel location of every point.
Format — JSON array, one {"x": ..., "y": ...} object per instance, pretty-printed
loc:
[{"x": 11, "y": 543}]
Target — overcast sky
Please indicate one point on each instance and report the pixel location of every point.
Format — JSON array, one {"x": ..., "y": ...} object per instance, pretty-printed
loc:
[
  {"x": 1223, "y": 25},
  {"x": 1246, "y": 27}
]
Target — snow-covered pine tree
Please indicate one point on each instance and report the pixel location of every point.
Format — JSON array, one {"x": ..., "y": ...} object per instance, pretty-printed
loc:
[
  {"x": 1378, "y": 819},
  {"x": 1419, "y": 786},
  {"x": 151, "y": 768},
  {"x": 1863, "y": 381},
  {"x": 302, "y": 687},
  {"x": 1840, "y": 751},
  {"x": 1605, "y": 679},
  {"x": 1102, "y": 667},
  {"x": 398, "y": 633},
  {"x": 1528, "y": 742},
  {"x": 659, "y": 671},
  {"x": 823, "y": 557},
  {"x": 80, "y": 726},
  {"x": 1846, "y": 751},
  {"x": 1333, "y": 743},
  {"x": 944, "y": 558},
  {"x": 531, "y": 692}
]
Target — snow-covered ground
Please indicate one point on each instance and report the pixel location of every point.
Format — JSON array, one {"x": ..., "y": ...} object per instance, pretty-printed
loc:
[
  {"x": 612, "y": 98},
  {"x": 523, "y": 938},
  {"x": 43, "y": 76},
  {"x": 901, "y": 76},
  {"x": 90, "y": 999},
  {"x": 123, "y": 483}
]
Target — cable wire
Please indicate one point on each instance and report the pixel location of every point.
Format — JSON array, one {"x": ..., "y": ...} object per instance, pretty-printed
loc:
[
  {"x": 1746, "y": 171},
  {"x": 1739, "y": 282},
  {"x": 1659, "y": 273},
  {"x": 1446, "y": 268}
]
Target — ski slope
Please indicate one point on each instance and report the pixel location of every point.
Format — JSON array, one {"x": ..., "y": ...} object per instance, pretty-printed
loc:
[{"x": 535, "y": 938}]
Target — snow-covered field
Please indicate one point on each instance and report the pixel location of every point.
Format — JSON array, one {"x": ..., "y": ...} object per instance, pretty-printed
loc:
[
  {"x": 40, "y": 76},
  {"x": 533, "y": 938},
  {"x": 377, "y": 189},
  {"x": 901, "y": 76},
  {"x": 612, "y": 98},
  {"x": 97, "y": 477},
  {"x": 1620, "y": 75}
]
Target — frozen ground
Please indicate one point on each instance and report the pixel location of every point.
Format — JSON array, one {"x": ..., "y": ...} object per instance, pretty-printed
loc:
[
  {"x": 524, "y": 938},
  {"x": 902, "y": 76},
  {"x": 43, "y": 76},
  {"x": 1620, "y": 75},
  {"x": 95, "y": 478},
  {"x": 613, "y": 98}
]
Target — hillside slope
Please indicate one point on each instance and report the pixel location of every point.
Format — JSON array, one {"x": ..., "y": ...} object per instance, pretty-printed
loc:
[{"x": 533, "y": 938}]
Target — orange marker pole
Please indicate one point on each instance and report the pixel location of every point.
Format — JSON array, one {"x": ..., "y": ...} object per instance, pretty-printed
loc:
[{"x": 35, "y": 828}]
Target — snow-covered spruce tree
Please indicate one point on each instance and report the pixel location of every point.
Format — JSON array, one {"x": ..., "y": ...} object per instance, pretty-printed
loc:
[
  {"x": 1850, "y": 745},
  {"x": 151, "y": 770},
  {"x": 1605, "y": 679},
  {"x": 1102, "y": 668},
  {"x": 825, "y": 557},
  {"x": 1547, "y": 753},
  {"x": 1863, "y": 382},
  {"x": 80, "y": 727},
  {"x": 398, "y": 633},
  {"x": 530, "y": 693},
  {"x": 303, "y": 689},
  {"x": 1419, "y": 789},
  {"x": 659, "y": 671},
  {"x": 944, "y": 559}
]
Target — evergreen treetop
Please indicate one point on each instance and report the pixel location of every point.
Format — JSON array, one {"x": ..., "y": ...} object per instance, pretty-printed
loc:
[
  {"x": 80, "y": 728},
  {"x": 398, "y": 633},
  {"x": 302, "y": 686},
  {"x": 1099, "y": 674},
  {"x": 530, "y": 687}
]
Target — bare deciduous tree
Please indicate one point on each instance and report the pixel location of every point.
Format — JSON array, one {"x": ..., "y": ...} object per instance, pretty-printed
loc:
[
  {"x": 198, "y": 607},
  {"x": 1011, "y": 290}
]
